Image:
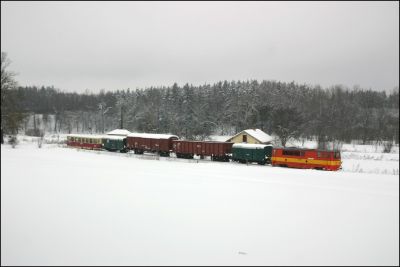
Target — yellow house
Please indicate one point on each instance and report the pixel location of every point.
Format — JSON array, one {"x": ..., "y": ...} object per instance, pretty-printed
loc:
[{"x": 251, "y": 136}]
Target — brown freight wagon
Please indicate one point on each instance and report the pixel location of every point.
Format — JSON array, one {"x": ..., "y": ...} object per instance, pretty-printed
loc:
[
  {"x": 219, "y": 151},
  {"x": 156, "y": 143}
]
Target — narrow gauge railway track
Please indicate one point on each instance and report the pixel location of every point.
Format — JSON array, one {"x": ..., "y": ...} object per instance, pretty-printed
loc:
[
  {"x": 146, "y": 156},
  {"x": 149, "y": 156},
  {"x": 172, "y": 157}
]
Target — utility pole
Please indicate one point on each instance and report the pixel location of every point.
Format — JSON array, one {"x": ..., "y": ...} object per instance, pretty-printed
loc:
[
  {"x": 122, "y": 120},
  {"x": 103, "y": 112}
]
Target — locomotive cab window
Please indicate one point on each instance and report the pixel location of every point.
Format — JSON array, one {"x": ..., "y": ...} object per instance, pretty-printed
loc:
[
  {"x": 293, "y": 153},
  {"x": 323, "y": 154}
]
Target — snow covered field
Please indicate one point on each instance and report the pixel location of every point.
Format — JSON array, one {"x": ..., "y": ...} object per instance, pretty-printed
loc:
[{"x": 62, "y": 206}]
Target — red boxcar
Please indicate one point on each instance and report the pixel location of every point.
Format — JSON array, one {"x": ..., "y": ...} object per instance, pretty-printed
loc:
[
  {"x": 156, "y": 143},
  {"x": 306, "y": 158},
  {"x": 85, "y": 141},
  {"x": 219, "y": 151}
]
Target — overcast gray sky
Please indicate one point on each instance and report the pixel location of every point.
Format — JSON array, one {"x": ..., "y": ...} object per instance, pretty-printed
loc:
[{"x": 117, "y": 45}]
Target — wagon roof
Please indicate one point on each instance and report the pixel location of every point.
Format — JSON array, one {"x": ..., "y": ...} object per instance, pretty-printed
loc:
[
  {"x": 257, "y": 134},
  {"x": 308, "y": 149},
  {"x": 205, "y": 141},
  {"x": 154, "y": 136},
  {"x": 87, "y": 136},
  {"x": 114, "y": 137},
  {"x": 250, "y": 145},
  {"x": 121, "y": 132}
]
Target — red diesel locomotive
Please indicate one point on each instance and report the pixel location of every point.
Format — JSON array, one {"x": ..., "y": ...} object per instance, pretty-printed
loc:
[{"x": 306, "y": 158}]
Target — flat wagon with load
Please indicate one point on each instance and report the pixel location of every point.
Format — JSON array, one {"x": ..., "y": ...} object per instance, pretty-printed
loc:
[
  {"x": 247, "y": 153},
  {"x": 115, "y": 143},
  {"x": 155, "y": 143},
  {"x": 218, "y": 151}
]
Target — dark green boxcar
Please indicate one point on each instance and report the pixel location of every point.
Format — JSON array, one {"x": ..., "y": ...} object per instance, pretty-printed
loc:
[
  {"x": 115, "y": 143},
  {"x": 252, "y": 153}
]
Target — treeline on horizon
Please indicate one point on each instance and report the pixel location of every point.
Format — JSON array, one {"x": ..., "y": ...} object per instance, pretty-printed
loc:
[{"x": 288, "y": 110}]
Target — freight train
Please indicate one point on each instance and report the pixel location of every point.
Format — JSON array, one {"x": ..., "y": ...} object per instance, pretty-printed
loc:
[{"x": 164, "y": 145}]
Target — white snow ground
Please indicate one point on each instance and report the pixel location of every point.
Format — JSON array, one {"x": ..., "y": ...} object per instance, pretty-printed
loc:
[{"x": 62, "y": 206}]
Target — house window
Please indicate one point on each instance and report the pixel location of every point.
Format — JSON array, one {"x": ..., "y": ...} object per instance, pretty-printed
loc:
[{"x": 244, "y": 138}]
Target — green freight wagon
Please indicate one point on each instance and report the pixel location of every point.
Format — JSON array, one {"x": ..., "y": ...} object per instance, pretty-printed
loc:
[
  {"x": 115, "y": 143},
  {"x": 245, "y": 153}
]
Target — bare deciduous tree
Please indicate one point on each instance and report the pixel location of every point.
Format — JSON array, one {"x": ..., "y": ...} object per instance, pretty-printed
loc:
[{"x": 10, "y": 118}]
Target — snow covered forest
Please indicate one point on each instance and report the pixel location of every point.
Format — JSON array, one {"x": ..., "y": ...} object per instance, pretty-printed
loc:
[{"x": 287, "y": 110}]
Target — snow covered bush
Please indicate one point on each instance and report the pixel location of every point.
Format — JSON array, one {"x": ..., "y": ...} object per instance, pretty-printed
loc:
[
  {"x": 40, "y": 141},
  {"x": 34, "y": 132},
  {"x": 387, "y": 146},
  {"x": 13, "y": 141}
]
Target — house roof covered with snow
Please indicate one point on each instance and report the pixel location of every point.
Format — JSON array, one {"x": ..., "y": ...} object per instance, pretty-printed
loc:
[
  {"x": 258, "y": 134},
  {"x": 120, "y": 132}
]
